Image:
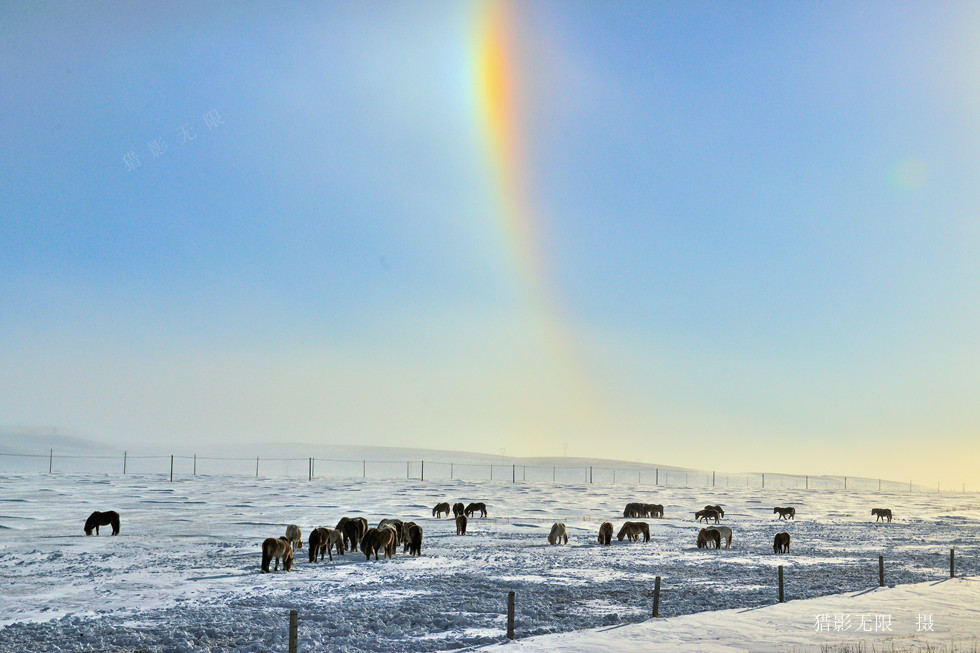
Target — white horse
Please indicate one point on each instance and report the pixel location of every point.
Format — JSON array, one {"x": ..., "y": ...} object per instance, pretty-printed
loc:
[
  {"x": 725, "y": 532},
  {"x": 557, "y": 533}
]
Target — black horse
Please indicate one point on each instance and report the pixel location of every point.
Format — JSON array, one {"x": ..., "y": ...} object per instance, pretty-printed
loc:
[{"x": 97, "y": 519}]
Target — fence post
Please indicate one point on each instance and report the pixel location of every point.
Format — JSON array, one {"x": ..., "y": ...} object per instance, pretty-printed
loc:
[
  {"x": 408, "y": 469},
  {"x": 879, "y": 485},
  {"x": 614, "y": 476},
  {"x": 510, "y": 615},
  {"x": 763, "y": 481},
  {"x": 513, "y": 473},
  {"x": 311, "y": 468},
  {"x": 657, "y": 481},
  {"x": 881, "y": 571},
  {"x": 50, "y": 459},
  {"x": 952, "y": 568},
  {"x": 590, "y": 474},
  {"x": 554, "y": 474},
  {"x": 195, "y": 464},
  {"x": 845, "y": 482},
  {"x": 422, "y": 473},
  {"x": 124, "y": 462},
  {"x": 293, "y": 634},
  {"x": 363, "y": 469},
  {"x": 656, "y": 597},
  {"x": 780, "y": 583},
  {"x": 171, "y": 468},
  {"x": 712, "y": 479},
  {"x": 807, "y": 482},
  {"x": 256, "y": 467}
]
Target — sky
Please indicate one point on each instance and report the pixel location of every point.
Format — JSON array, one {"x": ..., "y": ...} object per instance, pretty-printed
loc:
[{"x": 722, "y": 235}]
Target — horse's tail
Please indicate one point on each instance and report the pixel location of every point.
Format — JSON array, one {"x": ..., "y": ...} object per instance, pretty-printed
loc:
[
  {"x": 115, "y": 524},
  {"x": 266, "y": 558}
]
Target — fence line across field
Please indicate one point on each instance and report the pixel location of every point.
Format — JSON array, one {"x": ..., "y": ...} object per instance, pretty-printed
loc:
[{"x": 313, "y": 467}]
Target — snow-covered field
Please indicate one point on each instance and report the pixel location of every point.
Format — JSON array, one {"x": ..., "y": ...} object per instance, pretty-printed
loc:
[{"x": 184, "y": 573}]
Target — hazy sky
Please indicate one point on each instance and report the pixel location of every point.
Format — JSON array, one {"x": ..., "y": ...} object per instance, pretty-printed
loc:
[{"x": 738, "y": 236}]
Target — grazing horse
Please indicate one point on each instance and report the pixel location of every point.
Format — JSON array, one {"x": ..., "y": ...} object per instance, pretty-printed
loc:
[
  {"x": 882, "y": 513},
  {"x": 295, "y": 536},
  {"x": 633, "y": 530},
  {"x": 605, "y": 533},
  {"x": 278, "y": 548},
  {"x": 441, "y": 508},
  {"x": 656, "y": 510},
  {"x": 633, "y": 510},
  {"x": 706, "y": 514},
  {"x": 780, "y": 543},
  {"x": 557, "y": 533},
  {"x": 725, "y": 534},
  {"x": 718, "y": 509},
  {"x": 397, "y": 523},
  {"x": 785, "y": 513},
  {"x": 461, "y": 525},
  {"x": 378, "y": 539},
  {"x": 458, "y": 509},
  {"x": 708, "y": 537},
  {"x": 474, "y": 508},
  {"x": 407, "y": 525},
  {"x": 323, "y": 540},
  {"x": 413, "y": 540},
  {"x": 106, "y": 518},
  {"x": 350, "y": 530}
]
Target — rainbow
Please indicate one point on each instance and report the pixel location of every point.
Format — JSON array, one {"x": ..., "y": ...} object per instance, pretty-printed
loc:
[{"x": 499, "y": 108}]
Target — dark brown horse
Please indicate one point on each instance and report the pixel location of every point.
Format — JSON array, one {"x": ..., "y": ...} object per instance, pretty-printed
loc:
[
  {"x": 278, "y": 548},
  {"x": 441, "y": 508},
  {"x": 97, "y": 519},
  {"x": 376, "y": 540},
  {"x": 605, "y": 533},
  {"x": 882, "y": 513},
  {"x": 780, "y": 543},
  {"x": 476, "y": 507},
  {"x": 717, "y": 509},
  {"x": 706, "y": 514},
  {"x": 707, "y": 538},
  {"x": 785, "y": 513},
  {"x": 323, "y": 540},
  {"x": 633, "y": 530},
  {"x": 413, "y": 540},
  {"x": 461, "y": 525},
  {"x": 458, "y": 509},
  {"x": 350, "y": 531}
]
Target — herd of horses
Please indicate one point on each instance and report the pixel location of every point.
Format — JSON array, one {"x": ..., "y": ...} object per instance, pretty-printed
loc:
[{"x": 353, "y": 533}]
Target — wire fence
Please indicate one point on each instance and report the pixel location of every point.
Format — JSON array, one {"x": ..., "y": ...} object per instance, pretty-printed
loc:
[{"x": 177, "y": 466}]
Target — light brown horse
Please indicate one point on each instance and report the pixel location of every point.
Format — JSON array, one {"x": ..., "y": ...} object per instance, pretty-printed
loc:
[
  {"x": 707, "y": 538},
  {"x": 558, "y": 531},
  {"x": 882, "y": 513},
  {"x": 633, "y": 530},
  {"x": 780, "y": 543},
  {"x": 461, "y": 525},
  {"x": 706, "y": 514},
  {"x": 280, "y": 549},
  {"x": 295, "y": 536},
  {"x": 441, "y": 508},
  {"x": 605, "y": 533}
]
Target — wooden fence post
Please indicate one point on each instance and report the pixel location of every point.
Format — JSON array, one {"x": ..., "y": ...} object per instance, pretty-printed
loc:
[
  {"x": 363, "y": 469},
  {"x": 952, "y": 568},
  {"x": 293, "y": 631},
  {"x": 171, "y": 468},
  {"x": 780, "y": 583},
  {"x": 195, "y": 464},
  {"x": 656, "y": 597},
  {"x": 50, "y": 459},
  {"x": 124, "y": 462},
  {"x": 510, "y": 615},
  {"x": 513, "y": 473},
  {"x": 256, "y": 467},
  {"x": 422, "y": 473},
  {"x": 881, "y": 571},
  {"x": 310, "y": 468}
]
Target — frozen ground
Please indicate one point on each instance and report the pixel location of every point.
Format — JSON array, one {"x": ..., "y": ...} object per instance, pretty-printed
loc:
[{"x": 184, "y": 573}]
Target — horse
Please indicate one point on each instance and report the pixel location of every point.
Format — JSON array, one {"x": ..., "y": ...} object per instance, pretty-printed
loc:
[
  {"x": 780, "y": 543},
  {"x": 397, "y": 523},
  {"x": 458, "y": 509},
  {"x": 407, "y": 525},
  {"x": 785, "y": 513},
  {"x": 706, "y": 514},
  {"x": 882, "y": 513},
  {"x": 605, "y": 533},
  {"x": 350, "y": 531},
  {"x": 474, "y": 508},
  {"x": 106, "y": 518},
  {"x": 557, "y": 533},
  {"x": 708, "y": 537},
  {"x": 725, "y": 534},
  {"x": 439, "y": 509},
  {"x": 633, "y": 530},
  {"x": 322, "y": 540},
  {"x": 378, "y": 539},
  {"x": 295, "y": 536},
  {"x": 656, "y": 510},
  {"x": 461, "y": 525},
  {"x": 718, "y": 509},
  {"x": 278, "y": 548},
  {"x": 413, "y": 540},
  {"x": 633, "y": 510}
]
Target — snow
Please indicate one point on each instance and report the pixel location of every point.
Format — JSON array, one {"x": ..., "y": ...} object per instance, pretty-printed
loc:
[{"x": 184, "y": 572}]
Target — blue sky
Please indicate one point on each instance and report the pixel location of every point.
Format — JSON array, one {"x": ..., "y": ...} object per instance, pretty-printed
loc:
[{"x": 759, "y": 223}]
